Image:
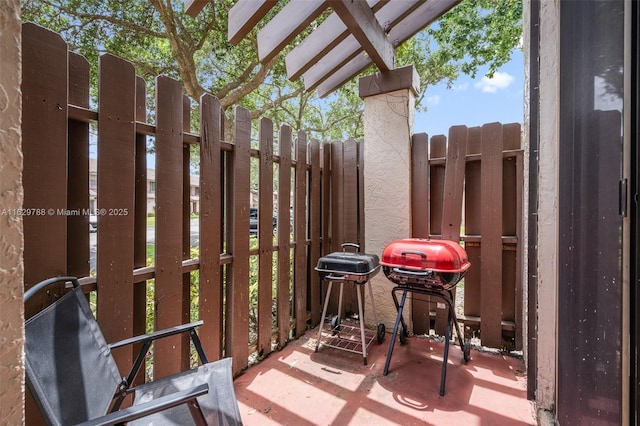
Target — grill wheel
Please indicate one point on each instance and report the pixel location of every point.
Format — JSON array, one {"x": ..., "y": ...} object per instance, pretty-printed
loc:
[{"x": 380, "y": 333}]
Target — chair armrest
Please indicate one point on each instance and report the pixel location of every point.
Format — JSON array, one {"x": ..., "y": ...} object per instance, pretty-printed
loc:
[
  {"x": 148, "y": 408},
  {"x": 184, "y": 328},
  {"x": 145, "y": 340}
]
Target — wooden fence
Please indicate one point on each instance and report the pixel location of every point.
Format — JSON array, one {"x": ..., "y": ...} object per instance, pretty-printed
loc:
[
  {"x": 57, "y": 123},
  {"x": 320, "y": 182},
  {"x": 473, "y": 183}
]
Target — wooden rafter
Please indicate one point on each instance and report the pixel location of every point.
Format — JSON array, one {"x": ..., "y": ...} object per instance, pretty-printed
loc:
[
  {"x": 315, "y": 46},
  {"x": 362, "y": 23},
  {"x": 357, "y": 34},
  {"x": 194, "y": 7},
  {"x": 288, "y": 23},
  {"x": 244, "y": 16},
  {"x": 421, "y": 17},
  {"x": 391, "y": 14}
]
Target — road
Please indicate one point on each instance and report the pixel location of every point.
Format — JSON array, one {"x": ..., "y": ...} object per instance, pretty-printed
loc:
[{"x": 151, "y": 238}]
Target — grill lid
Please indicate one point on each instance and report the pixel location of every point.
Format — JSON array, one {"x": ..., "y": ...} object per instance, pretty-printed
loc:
[
  {"x": 426, "y": 255},
  {"x": 348, "y": 263}
]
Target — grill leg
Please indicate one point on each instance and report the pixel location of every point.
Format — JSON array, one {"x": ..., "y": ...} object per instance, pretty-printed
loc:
[
  {"x": 395, "y": 328},
  {"x": 373, "y": 303},
  {"x": 362, "y": 336},
  {"x": 340, "y": 301},
  {"x": 403, "y": 331},
  {"x": 454, "y": 318},
  {"x": 324, "y": 314},
  {"x": 457, "y": 324},
  {"x": 447, "y": 336}
]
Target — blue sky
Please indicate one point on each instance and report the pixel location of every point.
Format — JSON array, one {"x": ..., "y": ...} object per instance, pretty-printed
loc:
[{"x": 474, "y": 102}]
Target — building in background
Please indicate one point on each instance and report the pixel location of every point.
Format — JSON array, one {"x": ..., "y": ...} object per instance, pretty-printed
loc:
[{"x": 194, "y": 190}]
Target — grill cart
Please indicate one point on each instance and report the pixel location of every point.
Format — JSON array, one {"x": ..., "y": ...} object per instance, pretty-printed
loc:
[
  {"x": 432, "y": 268},
  {"x": 351, "y": 268}
]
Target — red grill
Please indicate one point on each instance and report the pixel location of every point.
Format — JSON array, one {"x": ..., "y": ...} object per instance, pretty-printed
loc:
[
  {"x": 437, "y": 264},
  {"x": 429, "y": 267}
]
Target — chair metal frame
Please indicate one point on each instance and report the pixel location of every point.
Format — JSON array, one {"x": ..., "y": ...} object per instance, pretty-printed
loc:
[{"x": 116, "y": 415}]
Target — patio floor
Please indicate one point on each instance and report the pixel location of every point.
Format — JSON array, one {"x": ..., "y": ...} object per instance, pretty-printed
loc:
[{"x": 296, "y": 386}]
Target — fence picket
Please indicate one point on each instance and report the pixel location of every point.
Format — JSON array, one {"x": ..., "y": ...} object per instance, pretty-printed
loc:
[
  {"x": 326, "y": 198},
  {"x": 237, "y": 337},
  {"x": 420, "y": 215},
  {"x": 420, "y": 186},
  {"x": 472, "y": 223},
  {"x": 265, "y": 244},
  {"x": 315, "y": 208},
  {"x": 337, "y": 195},
  {"x": 116, "y": 176},
  {"x": 284, "y": 229},
  {"x": 44, "y": 177},
  {"x": 44, "y": 147},
  {"x": 169, "y": 354},
  {"x": 452, "y": 202},
  {"x": 300, "y": 233},
  {"x": 491, "y": 246},
  {"x": 211, "y": 288}
]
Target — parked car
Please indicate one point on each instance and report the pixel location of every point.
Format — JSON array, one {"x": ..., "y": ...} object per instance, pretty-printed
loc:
[
  {"x": 93, "y": 223},
  {"x": 253, "y": 221}
]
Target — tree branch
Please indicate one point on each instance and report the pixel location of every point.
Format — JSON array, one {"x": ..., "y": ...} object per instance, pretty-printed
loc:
[
  {"x": 235, "y": 96},
  {"x": 266, "y": 107},
  {"x": 106, "y": 18}
]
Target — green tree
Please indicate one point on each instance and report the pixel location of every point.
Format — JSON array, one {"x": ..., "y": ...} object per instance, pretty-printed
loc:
[{"x": 158, "y": 38}]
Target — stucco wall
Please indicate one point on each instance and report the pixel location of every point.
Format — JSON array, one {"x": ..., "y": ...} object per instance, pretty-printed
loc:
[
  {"x": 11, "y": 265},
  {"x": 388, "y": 124},
  {"x": 548, "y": 204}
]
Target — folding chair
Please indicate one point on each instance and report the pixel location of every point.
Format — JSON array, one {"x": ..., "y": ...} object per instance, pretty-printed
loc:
[{"x": 74, "y": 378}]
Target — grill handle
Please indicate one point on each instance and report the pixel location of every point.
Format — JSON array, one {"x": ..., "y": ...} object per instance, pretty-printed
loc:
[
  {"x": 404, "y": 253},
  {"x": 335, "y": 277},
  {"x": 415, "y": 273},
  {"x": 353, "y": 245}
]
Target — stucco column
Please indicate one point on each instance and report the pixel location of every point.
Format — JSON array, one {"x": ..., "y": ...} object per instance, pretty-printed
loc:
[
  {"x": 388, "y": 126},
  {"x": 11, "y": 263},
  {"x": 547, "y": 272}
]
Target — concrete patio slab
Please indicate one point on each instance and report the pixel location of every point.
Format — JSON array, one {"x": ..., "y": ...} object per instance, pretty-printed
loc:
[{"x": 297, "y": 386}]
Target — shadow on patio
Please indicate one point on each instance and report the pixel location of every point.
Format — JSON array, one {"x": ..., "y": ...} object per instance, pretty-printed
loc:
[{"x": 297, "y": 386}]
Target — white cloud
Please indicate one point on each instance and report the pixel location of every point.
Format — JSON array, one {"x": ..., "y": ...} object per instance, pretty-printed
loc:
[
  {"x": 433, "y": 100},
  {"x": 461, "y": 86},
  {"x": 500, "y": 80}
]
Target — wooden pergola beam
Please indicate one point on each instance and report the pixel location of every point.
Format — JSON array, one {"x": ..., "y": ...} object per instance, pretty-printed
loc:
[
  {"x": 317, "y": 44},
  {"x": 245, "y": 15},
  {"x": 421, "y": 17},
  {"x": 288, "y": 23},
  {"x": 391, "y": 13},
  {"x": 340, "y": 55},
  {"x": 194, "y": 7},
  {"x": 344, "y": 74},
  {"x": 333, "y": 53},
  {"x": 362, "y": 23}
]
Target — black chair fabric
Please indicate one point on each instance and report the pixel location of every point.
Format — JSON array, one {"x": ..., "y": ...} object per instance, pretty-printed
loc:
[
  {"x": 68, "y": 363},
  {"x": 219, "y": 406},
  {"x": 73, "y": 377}
]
